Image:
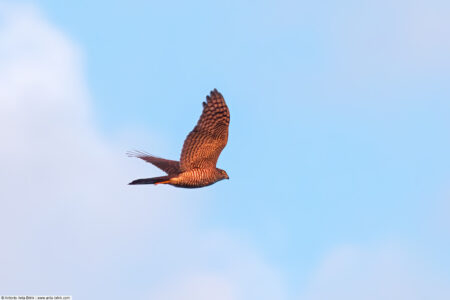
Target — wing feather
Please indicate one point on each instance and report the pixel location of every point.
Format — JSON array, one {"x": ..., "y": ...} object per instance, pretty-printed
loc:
[{"x": 206, "y": 141}]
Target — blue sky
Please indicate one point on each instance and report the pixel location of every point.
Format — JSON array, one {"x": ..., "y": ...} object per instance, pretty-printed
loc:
[{"x": 338, "y": 148}]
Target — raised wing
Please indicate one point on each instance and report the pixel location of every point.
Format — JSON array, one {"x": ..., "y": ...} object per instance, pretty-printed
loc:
[
  {"x": 204, "y": 144},
  {"x": 171, "y": 167}
]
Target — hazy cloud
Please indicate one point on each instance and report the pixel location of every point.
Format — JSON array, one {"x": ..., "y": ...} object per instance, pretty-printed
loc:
[
  {"x": 377, "y": 272},
  {"x": 392, "y": 37},
  {"x": 70, "y": 224}
]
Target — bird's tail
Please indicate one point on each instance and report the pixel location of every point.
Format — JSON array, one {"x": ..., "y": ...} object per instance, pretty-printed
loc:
[{"x": 154, "y": 180}]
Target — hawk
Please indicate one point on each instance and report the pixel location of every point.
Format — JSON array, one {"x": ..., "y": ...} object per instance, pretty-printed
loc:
[{"x": 201, "y": 149}]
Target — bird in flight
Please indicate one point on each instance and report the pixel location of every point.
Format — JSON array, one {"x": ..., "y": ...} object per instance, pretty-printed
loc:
[{"x": 201, "y": 149}]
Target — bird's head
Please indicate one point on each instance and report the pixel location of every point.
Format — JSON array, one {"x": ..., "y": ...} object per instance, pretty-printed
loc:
[{"x": 223, "y": 174}]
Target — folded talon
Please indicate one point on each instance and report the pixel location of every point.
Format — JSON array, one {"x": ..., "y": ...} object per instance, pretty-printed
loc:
[{"x": 163, "y": 182}]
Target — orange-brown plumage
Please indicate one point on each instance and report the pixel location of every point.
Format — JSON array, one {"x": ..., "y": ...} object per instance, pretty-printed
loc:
[{"x": 201, "y": 150}]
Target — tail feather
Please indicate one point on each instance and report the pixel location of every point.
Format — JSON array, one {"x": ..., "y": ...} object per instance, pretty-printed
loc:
[{"x": 150, "y": 180}]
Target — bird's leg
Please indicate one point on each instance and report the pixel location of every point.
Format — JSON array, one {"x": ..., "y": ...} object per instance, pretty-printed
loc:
[{"x": 163, "y": 182}]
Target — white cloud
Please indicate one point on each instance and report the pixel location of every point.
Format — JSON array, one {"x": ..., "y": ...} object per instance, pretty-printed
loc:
[
  {"x": 394, "y": 38},
  {"x": 224, "y": 269},
  {"x": 427, "y": 29},
  {"x": 69, "y": 223},
  {"x": 198, "y": 287},
  {"x": 381, "y": 272}
]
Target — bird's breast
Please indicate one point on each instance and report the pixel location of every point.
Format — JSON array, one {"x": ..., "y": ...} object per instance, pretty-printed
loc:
[{"x": 195, "y": 178}]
